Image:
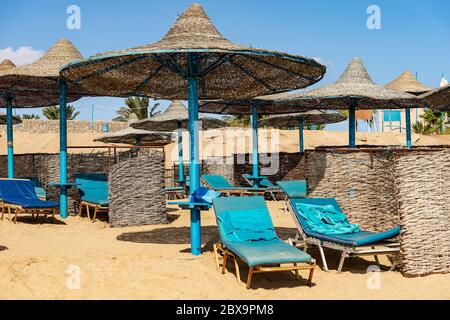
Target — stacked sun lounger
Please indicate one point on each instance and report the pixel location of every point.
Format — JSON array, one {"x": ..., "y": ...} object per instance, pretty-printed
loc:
[
  {"x": 220, "y": 184},
  {"x": 19, "y": 195},
  {"x": 264, "y": 183}
]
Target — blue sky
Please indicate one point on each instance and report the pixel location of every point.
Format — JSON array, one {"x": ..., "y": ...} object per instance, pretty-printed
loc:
[{"x": 414, "y": 35}]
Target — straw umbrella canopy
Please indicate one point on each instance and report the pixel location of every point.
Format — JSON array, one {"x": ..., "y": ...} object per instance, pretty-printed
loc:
[
  {"x": 408, "y": 83},
  {"x": 37, "y": 85},
  {"x": 3, "y": 119},
  {"x": 292, "y": 120},
  {"x": 6, "y": 64},
  {"x": 176, "y": 117},
  {"x": 193, "y": 60},
  {"x": 354, "y": 90},
  {"x": 438, "y": 98},
  {"x": 136, "y": 137}
]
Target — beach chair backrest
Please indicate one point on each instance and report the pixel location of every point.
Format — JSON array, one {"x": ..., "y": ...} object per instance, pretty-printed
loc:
[
  {"x": 92, "y": 185},
  {"x": 294, "y": 188},
  {"x": 249, "y": 215},
  {"x": 35, "y": 180},
  {"x": 11, "y": 189},
  {"x": 263, "y": 183},
  {"x": 216, "y": 181},
  {"x": 312, "y": 201}
]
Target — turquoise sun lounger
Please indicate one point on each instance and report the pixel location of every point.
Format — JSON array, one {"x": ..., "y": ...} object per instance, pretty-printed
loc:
[
  {"x": 218, "y": 183},
  {"x": 19, "y": 195},
  {"x": 94, "y": 192},
  {"x": 40, "y": 191},
  {"x": 353, "y": 243},
  {"x": 246, "y": 232},
  {"x": 293, "y": 189},
  {"x": 264, "y": 183}
]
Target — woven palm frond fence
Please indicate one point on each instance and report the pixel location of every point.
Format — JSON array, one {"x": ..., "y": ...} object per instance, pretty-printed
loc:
[{"x": 136, "y": 195}]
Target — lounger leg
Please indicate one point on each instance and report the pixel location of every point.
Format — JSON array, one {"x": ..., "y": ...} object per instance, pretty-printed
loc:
[
  {"x": 9, "y": 214},
  {"x": 341, "y": 262},
  {"x": 249, "y": 278},
  {"x": 376, "y": 257},
  {"x": 224, "y": 263},
  {"x": 322, "y": 255},
  {"x": 15, "y": 215},
  {"x": 311, "y": 273},
  {"x": 95, "y": 214},
  {"x": 236, "y": 266},
  {"x": 216, "y": 256},
  {"x": 285, "y": 204},
  {"x": 80, "y": 209},
  {"x": 88, "y": 212},
  {"x": 296, "y": 272},
  {"x": 53, "y": 215}
]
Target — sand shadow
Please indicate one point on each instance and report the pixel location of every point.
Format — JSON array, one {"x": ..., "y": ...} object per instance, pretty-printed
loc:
[
  {"x": 3, "y": 248},
  {"x": 39, "y": 221}
]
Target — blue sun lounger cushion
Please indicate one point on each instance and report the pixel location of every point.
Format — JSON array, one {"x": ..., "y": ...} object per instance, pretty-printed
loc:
[
  {"x": 93, "y": 188},
  {"x": 359, "y": 238},
  {"x": 325, "y": 219},
  {"x": 263, "y": 183},
  {"x": 22, "y": 193},
  {"x": 245, "y": 228},
  {"x": 294, "y": 188}
]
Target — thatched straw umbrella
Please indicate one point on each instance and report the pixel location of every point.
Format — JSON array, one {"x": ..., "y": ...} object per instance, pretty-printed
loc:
[
  {"x": 3, "y": 119},
  {"x": 354, "y": 90},
  {"x": 406, "y": 82},
  {"x": 438, "y": 98},
  {"x": 292, "y": 120},
  {"x": 193, "y": 60},
  {"x": 136, "y": 137},
  {"x": 176, "y": 117},
  {"x": 6, "y": 64},
  {"x": 38, "y": 85}
]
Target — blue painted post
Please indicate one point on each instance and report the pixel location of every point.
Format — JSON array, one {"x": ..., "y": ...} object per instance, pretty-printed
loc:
[
  {"x": 63, "y": 147},
  {"x": 351, "y": 127},
  {"x": 300, "y": 134},
  {"x": 180, "y": 154},
  {"x": 408, "y": 127},
  {"x": 194, "y": 163},
  {"x": 255, "y": 143},
  {"x": 9, "y": 134}
]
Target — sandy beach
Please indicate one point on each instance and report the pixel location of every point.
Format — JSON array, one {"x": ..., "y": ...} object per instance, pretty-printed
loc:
[{"x": 153, "y": 262}]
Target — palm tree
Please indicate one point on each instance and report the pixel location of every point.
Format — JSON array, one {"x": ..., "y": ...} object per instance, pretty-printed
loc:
[
  {"x": 139, "y": 106},
  {"x": 422, "y": 128},
  {"x": 52, "y": 113},
  {"x": 315, "y": 126},
  {"x": 433, "y": 119},
  {"x": 29, "y": 116}
]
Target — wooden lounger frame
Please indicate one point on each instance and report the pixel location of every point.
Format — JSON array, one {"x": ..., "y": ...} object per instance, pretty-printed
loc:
[
  {"x": 97, "y": 209},
  {"x": 19, "y": 210},
  {"x": 386, "y": 248},
  {"x": 220, "y": 249},
  {"x": 234, "y": 192}
]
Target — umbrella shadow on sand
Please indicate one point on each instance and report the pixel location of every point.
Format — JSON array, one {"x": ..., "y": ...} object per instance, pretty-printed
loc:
[{"x": 3, "y": 248}]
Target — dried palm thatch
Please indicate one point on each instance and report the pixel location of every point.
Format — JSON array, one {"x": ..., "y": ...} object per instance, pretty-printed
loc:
[
  {"x": 136, "y": 137},
  {"x": 37, "y": 84},
  {"x": 176, "y": 113},
  {"x": 6, "y": 64},
  {"x": 438, "y": 98},
  {"x": 291, "y": 120},
  {"x": 354, "y": 88},
  {"x": 16, "y": 120},
  {"x": 224, "y": 70},
  {"x": 406, "y": 82}
]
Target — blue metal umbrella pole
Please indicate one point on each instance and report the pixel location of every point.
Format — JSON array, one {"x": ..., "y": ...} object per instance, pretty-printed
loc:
[
  {"x": 63, "y": 147},
  {"x": 255, "y": 144},
  {"x": 351, "y": 127},
  {"x": 408, "y": 127},
  {"x": 180, "y": 155},
  {"x": 9, "y": 129},
  {"x": 194, "y": 164},
  {"x": 300, "y": 133}
]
